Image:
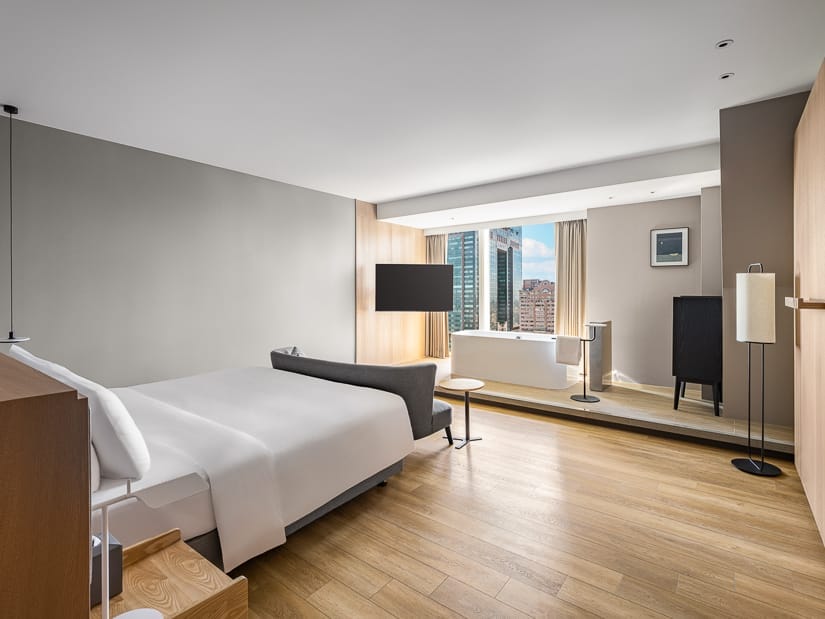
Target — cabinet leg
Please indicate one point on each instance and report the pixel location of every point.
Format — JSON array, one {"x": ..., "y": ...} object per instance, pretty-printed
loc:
[{"x": 676, "y": 391}]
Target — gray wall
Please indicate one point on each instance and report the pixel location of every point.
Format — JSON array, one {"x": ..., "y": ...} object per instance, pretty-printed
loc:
[
  {"x": 638, "y": 298},
  {"x": 711, "y": 284},
  {"x": 756, "y": 143},
  {"x": 711, "y": 226},
  {"x": 133, "y": 266}
]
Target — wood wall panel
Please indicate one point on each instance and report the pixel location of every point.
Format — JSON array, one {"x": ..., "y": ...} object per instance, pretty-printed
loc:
[
  {"x": 384, "y": 337},
  {"x": 44, "y": 496},
  {"x": 809, "y": 284}
]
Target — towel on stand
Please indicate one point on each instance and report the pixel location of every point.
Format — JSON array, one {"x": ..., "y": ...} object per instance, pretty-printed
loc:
[{"x": 568, "y": 349}]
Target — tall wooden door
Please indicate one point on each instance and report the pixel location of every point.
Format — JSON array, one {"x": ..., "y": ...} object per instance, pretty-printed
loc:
[{"x": 809, "y": 289}]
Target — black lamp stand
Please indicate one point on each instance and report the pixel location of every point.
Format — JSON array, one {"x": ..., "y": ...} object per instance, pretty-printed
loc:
[
  {"x": 590, "y": 399},
  {"x": 762, "y": 468}
]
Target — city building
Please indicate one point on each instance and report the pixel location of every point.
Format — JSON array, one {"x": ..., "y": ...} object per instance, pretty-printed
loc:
[
  {"x": 462, "y": 253},
  {"x": 505, "y": 278},
  {"x": 537, "y": 311}
]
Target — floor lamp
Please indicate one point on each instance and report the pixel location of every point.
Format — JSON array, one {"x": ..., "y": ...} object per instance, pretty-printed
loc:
[{"x": 756, "y": 324}]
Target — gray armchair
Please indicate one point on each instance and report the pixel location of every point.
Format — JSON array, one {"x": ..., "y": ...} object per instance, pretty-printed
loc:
[{"x": 414, "y": 383}]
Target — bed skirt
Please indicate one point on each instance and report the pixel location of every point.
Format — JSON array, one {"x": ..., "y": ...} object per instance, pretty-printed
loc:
[{"x": 208, "y": 545}]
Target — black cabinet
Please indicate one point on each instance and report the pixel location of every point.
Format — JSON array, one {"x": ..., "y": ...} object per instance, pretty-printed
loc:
[{"x": 697, "y": 345}]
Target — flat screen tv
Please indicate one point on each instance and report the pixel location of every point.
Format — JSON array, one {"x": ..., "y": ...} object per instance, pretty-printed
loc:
[{"x": 413, "y": 287}]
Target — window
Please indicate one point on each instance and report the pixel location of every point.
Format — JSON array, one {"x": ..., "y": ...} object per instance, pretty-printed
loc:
[
  {"x": 518, "y": 283},
  {"x": 537, "y": 292}
]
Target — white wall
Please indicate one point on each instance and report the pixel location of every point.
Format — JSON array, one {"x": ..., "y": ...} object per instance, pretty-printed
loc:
[
  {"x": 638, "y": 298},
  {"x": 133, "y": 266}
]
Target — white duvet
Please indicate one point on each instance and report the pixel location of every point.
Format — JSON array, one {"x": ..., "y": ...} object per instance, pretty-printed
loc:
[{"x": 275, "y": 445}]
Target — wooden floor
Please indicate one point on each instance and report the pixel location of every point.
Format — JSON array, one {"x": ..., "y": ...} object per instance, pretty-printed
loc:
[{"x": 549, "y": 517}]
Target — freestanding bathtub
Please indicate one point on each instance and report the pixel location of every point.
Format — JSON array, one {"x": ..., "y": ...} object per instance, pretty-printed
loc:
[{"x": 511, "y": 357}]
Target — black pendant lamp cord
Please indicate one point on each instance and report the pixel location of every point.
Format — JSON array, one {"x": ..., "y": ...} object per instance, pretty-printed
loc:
[{"x": 11, "y": 236}]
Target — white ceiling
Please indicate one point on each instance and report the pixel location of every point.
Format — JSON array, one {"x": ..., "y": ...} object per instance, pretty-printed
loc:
[{"x": 381, "y": 99}]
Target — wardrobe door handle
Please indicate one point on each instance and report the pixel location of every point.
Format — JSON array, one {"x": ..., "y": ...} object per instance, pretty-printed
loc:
[{"x": 800, "y": 304}]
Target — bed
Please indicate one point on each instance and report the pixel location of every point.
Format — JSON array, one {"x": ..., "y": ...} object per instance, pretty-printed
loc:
[
  {"x": 277, "y": 449},
  {"x": 239, "y": 458}
]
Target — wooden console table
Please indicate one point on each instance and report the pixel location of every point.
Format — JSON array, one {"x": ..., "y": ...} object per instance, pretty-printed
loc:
[{"x": 165, "y": 574}]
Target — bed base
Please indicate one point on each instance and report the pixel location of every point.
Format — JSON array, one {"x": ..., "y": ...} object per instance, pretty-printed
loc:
[{"x": 209, "y": 544}]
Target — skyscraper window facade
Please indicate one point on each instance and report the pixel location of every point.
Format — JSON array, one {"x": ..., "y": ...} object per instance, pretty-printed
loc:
[
  {"x": 505, "y": 278},
  {"x": 462, "y": 253}
]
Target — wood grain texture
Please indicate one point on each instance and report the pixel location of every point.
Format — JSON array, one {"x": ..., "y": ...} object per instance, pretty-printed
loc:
[
  {"x": 44, "y": 495},
  {"x": 165, "y": 574},
  {"x": 230, "y": 604},
  {"x": 809, "y": 284},
  {"x": 384, "y": 337},
  {"x": 548, "y": 517},
  {"x": 144, "y": 549}
]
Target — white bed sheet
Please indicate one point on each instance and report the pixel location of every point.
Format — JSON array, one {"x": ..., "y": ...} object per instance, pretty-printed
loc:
[
  {"x": 132, "y": 521},
  {"x": 321, "y": 438}
]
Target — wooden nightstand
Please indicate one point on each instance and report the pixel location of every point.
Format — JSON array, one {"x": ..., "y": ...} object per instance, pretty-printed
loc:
[{"x": 165, "y": 574}]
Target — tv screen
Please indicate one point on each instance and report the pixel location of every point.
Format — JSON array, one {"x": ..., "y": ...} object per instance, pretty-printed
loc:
[{"x": 413, "y": 287}]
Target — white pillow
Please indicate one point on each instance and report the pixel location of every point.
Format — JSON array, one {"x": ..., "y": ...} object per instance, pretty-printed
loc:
[
  {"x": 120, "y": 447},
  {"x": 95, "y": 472}
]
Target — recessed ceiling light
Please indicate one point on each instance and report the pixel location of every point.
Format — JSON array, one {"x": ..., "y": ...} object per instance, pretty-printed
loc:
[
  {"x": 724, "y": 43},
  {"x": 652, "y": 192},
  {"x": 726, "y": 76},
  {"x": 609, "y": 197}
]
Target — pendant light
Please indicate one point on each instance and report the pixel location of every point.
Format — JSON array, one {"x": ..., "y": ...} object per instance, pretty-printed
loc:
[{"x": 12, "y": 338}]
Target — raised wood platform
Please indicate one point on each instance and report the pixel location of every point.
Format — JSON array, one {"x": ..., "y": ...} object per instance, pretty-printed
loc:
[{"x": 638, "y": 406}]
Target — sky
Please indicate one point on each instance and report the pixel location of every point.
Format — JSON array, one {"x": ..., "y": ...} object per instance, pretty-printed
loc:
[{"x": 538, "y": 253}]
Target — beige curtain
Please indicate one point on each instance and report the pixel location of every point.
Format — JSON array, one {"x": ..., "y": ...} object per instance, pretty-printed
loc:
[
  {"x": 435, "y": 323},
  {"x": 571, "y": 241}
]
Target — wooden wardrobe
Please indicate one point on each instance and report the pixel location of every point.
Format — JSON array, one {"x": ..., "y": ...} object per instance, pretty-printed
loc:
[
  {"x": 44, "y": 496},
  {"x": 809, "y": 302}
]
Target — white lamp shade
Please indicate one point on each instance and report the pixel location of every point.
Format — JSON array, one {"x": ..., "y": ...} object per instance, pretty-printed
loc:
[{"x": 756, "y": 307}]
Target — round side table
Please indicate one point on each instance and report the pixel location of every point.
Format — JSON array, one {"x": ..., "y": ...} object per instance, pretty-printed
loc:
[{"x": 466, "y": 385}]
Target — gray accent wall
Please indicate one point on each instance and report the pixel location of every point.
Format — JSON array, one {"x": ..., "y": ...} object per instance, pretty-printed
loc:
[
  {"x": 757, "y": 142},
  {"x": 638, "y": 298},
  {"x": 133, "y": 266},
  {"x": 711, "y": 225}
]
